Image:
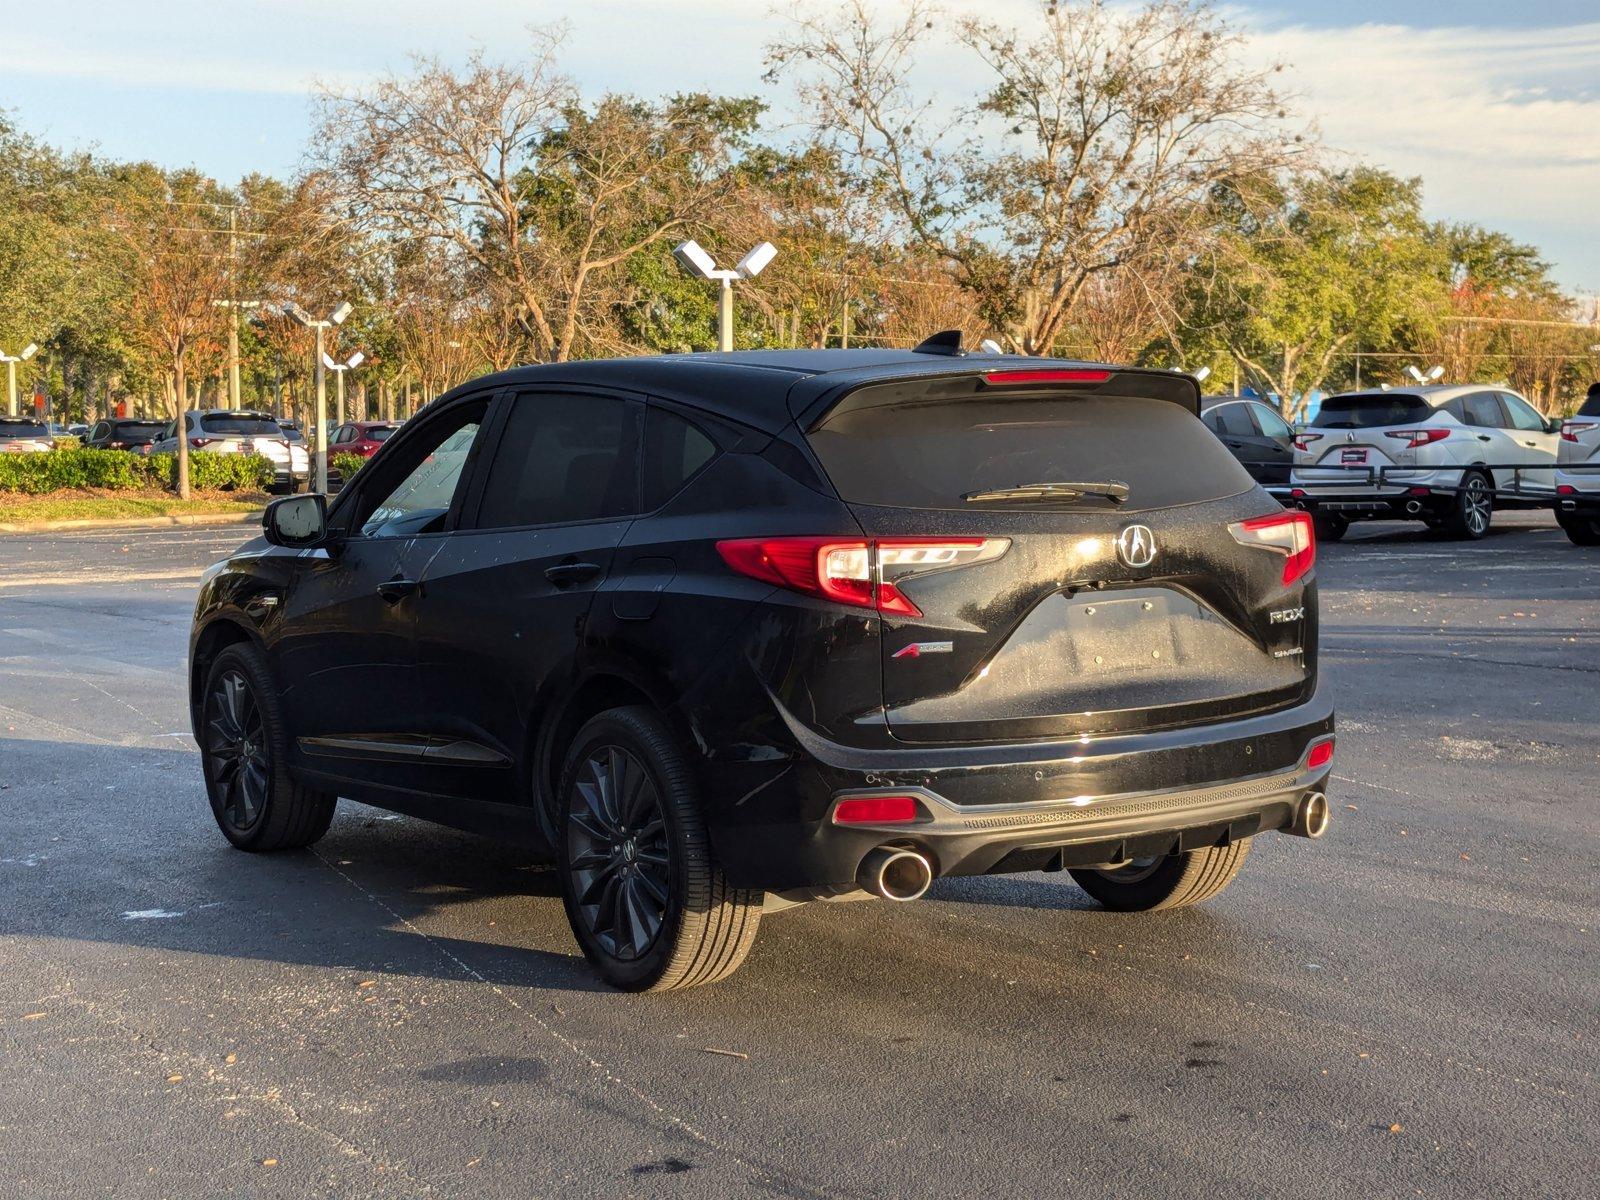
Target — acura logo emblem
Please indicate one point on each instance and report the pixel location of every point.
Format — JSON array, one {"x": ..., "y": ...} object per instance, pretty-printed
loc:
[{"x": 1136, "y": 545}]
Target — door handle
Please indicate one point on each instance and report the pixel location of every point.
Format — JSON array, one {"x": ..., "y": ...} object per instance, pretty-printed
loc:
[
  {"x": 397, "y": 589},
  {"x": 1484, "y": 437},
  {"x": 568, "y": 573},
  {"x": 1235, "y": 445},
  {"x": 1531, "y": 445}
]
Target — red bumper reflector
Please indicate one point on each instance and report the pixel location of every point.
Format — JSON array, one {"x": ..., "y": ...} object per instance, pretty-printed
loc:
[
  {"x": 876, "y": 810},
  {"x": 1320, "y": 755},
  {"x": 1566, "y": 489}
]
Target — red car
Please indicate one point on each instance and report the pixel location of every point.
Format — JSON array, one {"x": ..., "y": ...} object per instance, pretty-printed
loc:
[{"x": 361, "y": 437}]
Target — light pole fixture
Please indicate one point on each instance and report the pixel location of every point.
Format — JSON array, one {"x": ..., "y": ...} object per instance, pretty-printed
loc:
[
  {"x": 338, "y": 369},
  {"x": 320, "y": 444},
  {"x": 11, "y": 361},
  {"x": 1433, "y": 373},
  {"x": 693, "y": 259}
]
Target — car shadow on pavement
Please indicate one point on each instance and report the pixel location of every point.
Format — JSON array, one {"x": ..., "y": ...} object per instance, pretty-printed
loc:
[{"x": 139, "y": 862}]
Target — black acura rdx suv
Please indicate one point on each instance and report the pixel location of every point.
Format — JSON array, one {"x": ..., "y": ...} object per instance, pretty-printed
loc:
[{"x": 730, "y": 631}]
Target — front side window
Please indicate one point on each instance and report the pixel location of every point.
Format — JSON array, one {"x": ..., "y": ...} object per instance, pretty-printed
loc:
[
  {"x": 1272, "y": 425},
  {"x": 414, "y": 493},
  {"x": 563, "y": 458},
  {"x": 1522, "y": 415}
]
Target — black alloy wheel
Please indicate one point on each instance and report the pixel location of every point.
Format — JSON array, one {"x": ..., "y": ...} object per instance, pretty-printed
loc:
[
  {"x": 238, "y": 756},
  {"x": 618, "y": 854}
]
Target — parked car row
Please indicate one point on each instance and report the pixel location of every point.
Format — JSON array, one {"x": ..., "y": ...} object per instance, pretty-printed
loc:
[{"x": 1443, "y": 455}]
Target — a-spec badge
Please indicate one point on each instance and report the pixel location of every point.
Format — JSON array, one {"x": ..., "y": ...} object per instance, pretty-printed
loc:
[
  {"x": 1136, "y": 546},
  {"x": 918, "y": 649}
]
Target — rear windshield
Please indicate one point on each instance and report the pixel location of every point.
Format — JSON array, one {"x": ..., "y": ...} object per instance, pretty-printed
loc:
[
  {"x": 245, "y": 426},
  {"x": 933, "y": 453},
  {"x": 1370, "y": 412},
  {"x": 23, "y": 429},
  {"x": 379, "y": 433},
  {"x": 127, "y": 430}
]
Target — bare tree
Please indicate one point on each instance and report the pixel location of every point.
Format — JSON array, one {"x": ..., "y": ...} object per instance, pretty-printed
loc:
[
  {"x": 1102, "y": 130},
  {"x": 537, "y": 194}
]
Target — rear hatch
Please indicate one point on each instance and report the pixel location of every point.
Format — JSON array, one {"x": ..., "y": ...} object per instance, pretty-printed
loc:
[
  {"x": 1348, "y": 441},
  {"x": 254, "y": 434},
  {"x": 1017, "y": 613}
]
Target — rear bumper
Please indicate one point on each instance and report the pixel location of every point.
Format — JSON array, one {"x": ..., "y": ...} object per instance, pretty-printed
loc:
[{"x": 1029, "y": 806}]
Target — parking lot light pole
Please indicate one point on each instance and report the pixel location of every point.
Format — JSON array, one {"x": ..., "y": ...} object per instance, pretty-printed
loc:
[
  {"x": 696, "y": 261},
  {"x": 338, "y": 369},
  {"x": 320, "y": 444},
  {"x": 11, "y": 361}
]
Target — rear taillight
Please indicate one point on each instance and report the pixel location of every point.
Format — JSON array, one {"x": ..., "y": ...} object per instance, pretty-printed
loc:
[
  {"x": 201, "y": 443},
  {"x": 1022, "y": 378},
  {"x": 1286, "y": 533},
  {"x": 876, "y": 810},
  {"x": 1302, "y": 441},
  {"x": 1320, "y": 754},
  {"x": 1571, "y": 429},
  {"x": 864, "y": 573},
  {"x": 1418, "y": 437}
]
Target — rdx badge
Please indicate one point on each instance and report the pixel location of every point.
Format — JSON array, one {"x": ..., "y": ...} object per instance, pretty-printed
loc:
[{"x": 1285, "y": 615}]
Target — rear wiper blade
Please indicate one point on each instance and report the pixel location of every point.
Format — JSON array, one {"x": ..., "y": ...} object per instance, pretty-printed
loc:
[{"x": 1112, "y": 489}]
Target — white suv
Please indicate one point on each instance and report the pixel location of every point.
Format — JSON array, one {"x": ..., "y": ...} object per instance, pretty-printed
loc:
[
  {"x": 1578, "y": 490},
  {"x": 1443, "y": 455},
  {"x": 223, "y": 431}
]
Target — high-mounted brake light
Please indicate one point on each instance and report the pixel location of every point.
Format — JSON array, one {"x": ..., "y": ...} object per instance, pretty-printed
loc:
[
  {"x": 1571, "y": 429},
  {"x": 1302, "y": 441},
  {"x": 1419, "y": 437},
  {"x": 1286, "y": 533},
  {"x": 863, "y": 574},
  {"x": 876, "y": 810},
  {"x": 1019, "y": 378}
]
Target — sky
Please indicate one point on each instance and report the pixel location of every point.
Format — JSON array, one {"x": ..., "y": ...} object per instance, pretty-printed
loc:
[{"x": 1494, "y": 103}]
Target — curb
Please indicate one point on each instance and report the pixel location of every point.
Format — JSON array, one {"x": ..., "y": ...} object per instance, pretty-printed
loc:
[{"x": 132, "y": 522}]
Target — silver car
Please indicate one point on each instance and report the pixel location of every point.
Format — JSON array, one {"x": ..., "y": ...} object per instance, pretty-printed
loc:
[
  {"x": 225, "y": 431},
  {"x": 1443, "y": 455},
  {"x": 22, "y": 436}
]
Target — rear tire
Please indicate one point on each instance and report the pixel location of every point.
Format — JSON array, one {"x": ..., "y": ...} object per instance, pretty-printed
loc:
[
  {"x": 1330, "y": 528},
  {"x": 1170, "y": 882},
  {"x": 1581, "y": 531},
  {"x": 244, "y": 756},
  {"x": 1470, "y": 515},
  {"x": 646, "y": 900}
]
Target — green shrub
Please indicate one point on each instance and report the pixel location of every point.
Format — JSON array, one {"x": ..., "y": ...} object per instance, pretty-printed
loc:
[
  {"x": 345, "y": 466},
  {"x": 121, "y": 470}
]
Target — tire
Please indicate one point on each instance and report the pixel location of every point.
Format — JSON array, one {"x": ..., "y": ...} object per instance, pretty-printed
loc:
[
  {"x": 244, "y": 756},
  {"x": 1472, "y": 509},
  {"x": 1581, "y": 531},
  {"x": 646, "y": 900},
  {"x": 1170, "y": 882},
  {"x": 1329, "y": 527}
]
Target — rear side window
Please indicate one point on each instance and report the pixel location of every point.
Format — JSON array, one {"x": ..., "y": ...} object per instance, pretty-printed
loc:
[
  {"x": 1233, "y": 420},
  {"x": 1371, "y": 411},
  {"x": 562, "y": 458},
  {"x": 1483, "y": 409},
  {"x": 240, "y": 426},
  {"x": 674, "y": 450},
  {"x": 933, "y": 452}
]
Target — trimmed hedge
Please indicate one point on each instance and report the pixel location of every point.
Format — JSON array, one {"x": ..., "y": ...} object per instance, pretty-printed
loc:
[
  {"x": 346, "y": 465},
  {"x": 121, "y": 470}
]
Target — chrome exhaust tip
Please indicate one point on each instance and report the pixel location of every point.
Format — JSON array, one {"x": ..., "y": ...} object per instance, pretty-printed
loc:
[
  {"x": 1413, "y": 507},
  {"x": 1311, "y": 816},
  {"x": 895, "y": 873}
]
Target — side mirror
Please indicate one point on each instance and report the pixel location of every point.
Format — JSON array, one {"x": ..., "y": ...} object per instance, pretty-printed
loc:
[
  {"x": 297, "y": 522},
  {"x": 1553, "y": 424}
]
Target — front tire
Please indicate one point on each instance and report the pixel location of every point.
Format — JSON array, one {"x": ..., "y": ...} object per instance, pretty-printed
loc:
[
  {"x": 244, "y": 757},
  {"x": 647, "y": 902},
  {"x": 1171, "y": 882},
  {"x": 1581, "y": 531},
  {"x": 1469, "y": 516}
]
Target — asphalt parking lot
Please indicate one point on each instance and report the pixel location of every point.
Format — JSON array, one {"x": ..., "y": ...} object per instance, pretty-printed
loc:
[{"x": 1406, "y": 1008}]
